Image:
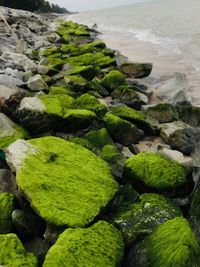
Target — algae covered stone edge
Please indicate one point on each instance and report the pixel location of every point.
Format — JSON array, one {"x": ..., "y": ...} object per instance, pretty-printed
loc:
[{"x": 70, "y": 179}]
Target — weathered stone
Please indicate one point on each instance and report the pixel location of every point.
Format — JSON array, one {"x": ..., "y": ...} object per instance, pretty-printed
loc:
[
  {"x": 36, "y": 83},
  {"x": 136, "y": 70}
]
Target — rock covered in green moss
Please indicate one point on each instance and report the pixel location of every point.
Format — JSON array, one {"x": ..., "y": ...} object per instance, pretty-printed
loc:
[
  {"x": 95, "y": 46},
  {"x": 10, "y": 131},
  {"x": 92, "y": 59},
  {"x": 53, "y": 112},
  {"x": 13, "y": 254},
  {"x": 89, "y": 102},
  {"x": 136, "y": 220},
  {"x": 99, "y": 138},
  {"x": 156, "y": 173},
  {"x": 121, "y": 130},
  {"x": 61, "y": 90},
  {"x": 50, "y": 66},
  {"x": 130, "y": 96},
  {"x": 100, "y": 245},
  {"x": 148, "y": 125},
  {"x": 113, "y": 79},
  {"x": 171, "y": 244},
  {"x": 6, "y": 209},
  {"x": 70, "y": 179},
  {"x": 87, "y": 72},
  {"x": 136, "y": 70},
  {"x": 85, "y": 143},
  {"x": 163, "y": 112}
]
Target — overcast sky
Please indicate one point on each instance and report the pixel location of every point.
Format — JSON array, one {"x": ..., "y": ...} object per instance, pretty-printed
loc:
[{"x": 80, "y": 5}]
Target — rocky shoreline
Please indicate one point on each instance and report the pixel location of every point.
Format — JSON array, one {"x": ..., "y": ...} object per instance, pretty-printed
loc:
[{"x": 91, "y": 174}]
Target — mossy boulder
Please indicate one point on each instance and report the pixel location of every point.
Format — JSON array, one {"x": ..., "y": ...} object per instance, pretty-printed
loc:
[
  {"x": 10, "y": 131},
  {"x": 130, "y": 96},
  {"x": 148, "y": 125},
  {"x": 53, "y": 112},
  {"x": 100, "y": 245},
  {"x": 85, "y": 143},
  {"x": 87, "y": 72},
  {"x": 61, "y": 90},
  {"x": 122, "y": 131},
  {"x": 50, "y": 66},
  {"x": 136, "y": 70},
  {"x": 92, "y": 59},
  {"x": 171, "y": 244},
  {"x": 6, "y": 209},
  {"x": 95, "y": 46},
  {"x": 49, "y": 51},
  {"x": 89, "y": 102},
  {"x": 137, "y": 220},
  {"x": 113, "y": 79},
  {"x": 13, "y": 254},
  {"x": 99, "y": 138},
  {"x": 162, "y": 112},
  {"x": 153, "y": 172},
  {"x": 70, "y": 179}
]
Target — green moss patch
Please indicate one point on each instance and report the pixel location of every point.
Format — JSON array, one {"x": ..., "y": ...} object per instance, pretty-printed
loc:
[
  {"x": 156, "y": 173},
  {"x": 122, "y": 131},
  {"x": 100, "y": 245},
  {"x": 13, "y": 254},
  {"x": 6, "y": 209},
  {"x": 113, "y": 79},
  {"x": 172, "y": 244},
  {"x": 70, "y": 179},
  {"x": 138, "y": 219}
]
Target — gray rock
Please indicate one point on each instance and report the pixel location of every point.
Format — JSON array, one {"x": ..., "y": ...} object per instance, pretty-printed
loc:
[
  {"x": 36, "y": 83},
  {"x": 7, "y": 181},
  {"x": 20, "y": 61},
  {"x": 136, "y": 70}
]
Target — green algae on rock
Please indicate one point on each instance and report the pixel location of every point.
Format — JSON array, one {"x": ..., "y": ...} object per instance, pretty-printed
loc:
[
  {"x": 89, "y": 102},
  {"x": 99, "y": 138},
  {"x": 113, "y": 79},
  {"x": 99, "y": 245},
  {"x": 136, "y": 70},
  {"x": 13, "y": 254},
  {"x": 156, "y": 173},
  {"x": 171, "y": 244},
  {"x": 71, "y": 180},
  {"x": 136, "y": 220},
  {"x": 148, "y": 125},
  {"x": 6, "y": 209},
  {"x": 194, "y": 213},
  {"x": 122, "y": 131},
  {"x": 10, "y": 131}
]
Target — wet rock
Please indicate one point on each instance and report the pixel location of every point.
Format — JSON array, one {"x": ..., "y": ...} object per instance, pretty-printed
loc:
[
  {"x": 162, "y": 112},
  {"x": 180, "y": 136},
  {"x": 36, "y": 83},
  {"x": 39, "y": 247},
  {"x": 112, "y": 80},
  {"x": 100, "y": 244},
  {"x": 173, "y": 89},
  {"x": 136, "y": 70},
  {"x": 139, "y": 218},
  {"x": 165, "y": 246},
  {"x": 79, "y": 196},
  {"x": 130, "y": 96},
  {"x": 121, "y": 130},
  {"x": 27, "y": 225},
  {"x": 144, "y": 172},
  {"x": 7, "y": 181}
]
